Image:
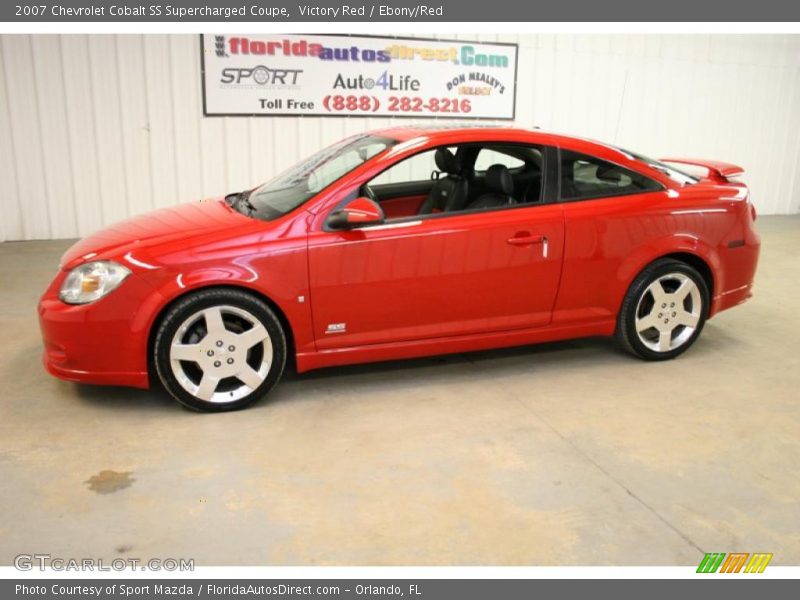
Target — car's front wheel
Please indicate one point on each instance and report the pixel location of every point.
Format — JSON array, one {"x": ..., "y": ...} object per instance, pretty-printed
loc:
[
  {"x": 664, "y": 310},
  {"x": 219, "y": 349}
]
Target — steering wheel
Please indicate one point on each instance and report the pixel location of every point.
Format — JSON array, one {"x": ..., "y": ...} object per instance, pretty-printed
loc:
[{"x": 369, "y": 193}]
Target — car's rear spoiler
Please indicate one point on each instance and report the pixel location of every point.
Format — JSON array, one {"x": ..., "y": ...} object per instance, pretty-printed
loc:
[{"x": 717, "y": 170}]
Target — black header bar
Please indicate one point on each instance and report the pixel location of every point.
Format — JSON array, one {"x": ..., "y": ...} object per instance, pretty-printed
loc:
[{"x": 403, "y": 11}]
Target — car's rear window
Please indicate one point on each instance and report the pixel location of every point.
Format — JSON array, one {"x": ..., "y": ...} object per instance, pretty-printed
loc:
[
  {"x": 584, "y": 177},
  {"x": 670, "y": 171}
]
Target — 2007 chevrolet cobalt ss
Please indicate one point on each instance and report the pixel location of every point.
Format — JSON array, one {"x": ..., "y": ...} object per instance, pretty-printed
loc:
[{"x": 402, "y": 243}]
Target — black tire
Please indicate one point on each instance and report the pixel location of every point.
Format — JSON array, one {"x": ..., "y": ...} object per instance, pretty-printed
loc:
[
  {"x": 627, "y": 335},
  {"x": 188, "y": 306}
]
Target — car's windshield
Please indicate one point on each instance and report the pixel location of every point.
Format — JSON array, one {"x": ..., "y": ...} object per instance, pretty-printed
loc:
[{"x": 301, "y": 182}]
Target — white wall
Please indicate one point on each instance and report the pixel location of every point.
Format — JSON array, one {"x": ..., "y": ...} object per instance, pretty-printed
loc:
[{"x": 96, "y": 128}]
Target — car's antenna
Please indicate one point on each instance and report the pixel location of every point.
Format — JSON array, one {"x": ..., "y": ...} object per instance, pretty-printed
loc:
[{"x": 621, "y": 105}]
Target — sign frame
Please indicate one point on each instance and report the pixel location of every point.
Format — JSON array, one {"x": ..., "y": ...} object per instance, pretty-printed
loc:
[{"x": 400, "y": 115}]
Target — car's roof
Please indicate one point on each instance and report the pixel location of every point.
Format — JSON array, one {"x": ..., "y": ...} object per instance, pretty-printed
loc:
[
  {"x": 453, "y": 134},
  {"x": 414, "y": 131}
]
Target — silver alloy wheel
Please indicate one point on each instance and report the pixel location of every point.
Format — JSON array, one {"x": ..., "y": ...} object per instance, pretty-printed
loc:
[
  {"x": 221, "y": 345},
  {"x": 668, "y": 312}
]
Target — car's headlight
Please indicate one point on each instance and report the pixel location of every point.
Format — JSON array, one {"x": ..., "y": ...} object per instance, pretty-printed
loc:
[{"x": 92, "y": 281}]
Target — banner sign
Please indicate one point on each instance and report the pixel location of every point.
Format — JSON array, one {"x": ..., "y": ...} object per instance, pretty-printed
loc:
[{"x": 349, "y": 76}]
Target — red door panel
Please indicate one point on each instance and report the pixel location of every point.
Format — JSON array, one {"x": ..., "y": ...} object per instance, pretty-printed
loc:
[{"x": 436, "y": 277}]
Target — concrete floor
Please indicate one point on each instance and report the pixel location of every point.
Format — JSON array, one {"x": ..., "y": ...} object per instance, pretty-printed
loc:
[{"x": 568, "y": 453}]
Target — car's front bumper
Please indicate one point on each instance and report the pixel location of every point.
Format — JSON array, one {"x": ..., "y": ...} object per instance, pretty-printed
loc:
[{"x": 104, "y": 342}]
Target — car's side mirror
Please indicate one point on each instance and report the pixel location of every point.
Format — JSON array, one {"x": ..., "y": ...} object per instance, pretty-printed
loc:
[{"x": 356, "y": 213}]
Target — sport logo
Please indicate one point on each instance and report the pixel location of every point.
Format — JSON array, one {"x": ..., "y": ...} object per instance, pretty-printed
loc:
[
  {"x": 735, "y": 562},
  {"x": 259, "y": 75}
]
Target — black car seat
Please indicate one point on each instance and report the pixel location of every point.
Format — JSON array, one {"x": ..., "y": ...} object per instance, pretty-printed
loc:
[
  {"x": 501, "y": 189},
  {"x": 568, "y": 188},
  {"x": 449, "y": 190}
]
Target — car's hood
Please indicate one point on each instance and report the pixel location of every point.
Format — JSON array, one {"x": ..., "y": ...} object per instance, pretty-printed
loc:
[{"x": 182, "y": 223}]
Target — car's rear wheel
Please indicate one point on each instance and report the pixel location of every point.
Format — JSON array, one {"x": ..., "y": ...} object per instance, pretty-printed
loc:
[
  {"x": 664, "y": 310},
  {"x": 219, "y": 349}
]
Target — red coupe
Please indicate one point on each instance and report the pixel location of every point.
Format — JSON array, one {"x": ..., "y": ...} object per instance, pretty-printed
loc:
[{"x": 400, "y": 243}]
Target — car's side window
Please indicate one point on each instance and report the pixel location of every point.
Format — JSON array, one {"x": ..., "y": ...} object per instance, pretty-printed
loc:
[
  {"x": 584, "y": 177},
  {"x": 415, "y": 168},
  {"x": 467, "y": 178},
  {"x": 488, "y": 157}
]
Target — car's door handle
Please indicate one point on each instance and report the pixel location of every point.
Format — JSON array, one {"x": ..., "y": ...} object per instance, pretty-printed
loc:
[{"x": 526, "y": 239}]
